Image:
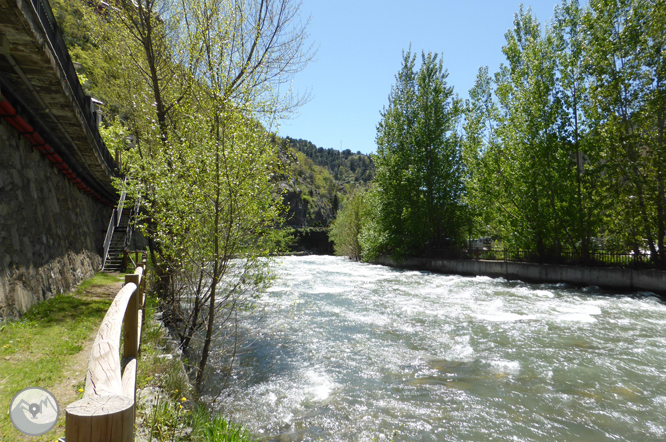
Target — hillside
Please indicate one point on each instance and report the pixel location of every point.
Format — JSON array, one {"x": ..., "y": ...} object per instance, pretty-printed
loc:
[
  {"x": 317, "y": 180},
  {"x": 344, "y": 166}
]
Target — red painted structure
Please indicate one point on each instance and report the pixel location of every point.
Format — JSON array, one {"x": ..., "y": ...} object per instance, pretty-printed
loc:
[{"x": 8, "y": 112}]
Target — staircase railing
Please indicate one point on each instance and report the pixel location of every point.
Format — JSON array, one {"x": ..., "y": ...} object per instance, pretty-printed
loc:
[
  {"x": 114, "y": 222},
  {"x": 121, "y": 205},
  {"x": 132, "y": 223}
]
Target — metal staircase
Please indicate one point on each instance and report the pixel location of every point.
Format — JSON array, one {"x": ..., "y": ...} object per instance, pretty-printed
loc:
[
  {"x": 119, "y": 236},
  {"x": 115, "y": 261}
]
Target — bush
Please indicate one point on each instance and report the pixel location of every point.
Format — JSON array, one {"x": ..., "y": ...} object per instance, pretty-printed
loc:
[{"x": 346, "y": 229}]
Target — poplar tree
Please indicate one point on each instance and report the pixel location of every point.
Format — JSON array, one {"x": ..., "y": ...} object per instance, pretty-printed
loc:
[
  {"x": 581, "y": 206},
  {"x": 626, "y": 62},
  {"x": 531, "y": 163},
  {"x": 418, "y": 163},
  {"x": 480, "y": 154}
]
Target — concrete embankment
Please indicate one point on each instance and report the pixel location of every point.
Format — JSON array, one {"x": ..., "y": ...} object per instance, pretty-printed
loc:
[{"x": 612, "y": 278}]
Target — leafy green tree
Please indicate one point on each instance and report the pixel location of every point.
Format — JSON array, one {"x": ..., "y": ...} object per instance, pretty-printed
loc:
[
  {"x": 480, "y": 155},
  {"x": 581, "y": 213},
  {"x": 418, "y": 163},
  {"x": 204, "y": 78},
  {"x": 626, "y": 62},
  {"x": 215, "y": 209},
  {"x": 346, "y": 230},
  {"x": 532, "y": 165}
]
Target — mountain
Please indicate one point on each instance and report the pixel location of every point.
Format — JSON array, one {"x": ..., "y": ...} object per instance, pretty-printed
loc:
[
  {"x": 317, "y": 180},
  {"x": 344, "y": 166}
]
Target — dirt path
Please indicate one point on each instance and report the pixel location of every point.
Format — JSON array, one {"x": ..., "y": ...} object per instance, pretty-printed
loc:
[{"x": 75, "y": 370}]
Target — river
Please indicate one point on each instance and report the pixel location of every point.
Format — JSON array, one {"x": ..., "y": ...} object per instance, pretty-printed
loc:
[{"x": 346, "y": 351}]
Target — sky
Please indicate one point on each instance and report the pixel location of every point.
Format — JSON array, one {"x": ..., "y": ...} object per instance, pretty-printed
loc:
[{"x": 359, "y": 51}]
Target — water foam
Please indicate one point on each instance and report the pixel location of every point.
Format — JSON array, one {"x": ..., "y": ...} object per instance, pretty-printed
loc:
[{"x": 357, "y": 352}]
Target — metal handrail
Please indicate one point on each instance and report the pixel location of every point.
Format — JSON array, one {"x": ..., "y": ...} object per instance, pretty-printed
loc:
[
  {"x": 595, "y": 258},
  {"x": 114, "y": 222},
  {"x": 121, "y": 204},
  {"x": 131, "y": 224},
  {"x": 54, "y": 34},
  {"x": 109, "y": 237}
]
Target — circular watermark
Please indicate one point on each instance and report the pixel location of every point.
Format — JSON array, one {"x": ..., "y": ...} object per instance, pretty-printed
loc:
[{"x": 34, "y": 411}]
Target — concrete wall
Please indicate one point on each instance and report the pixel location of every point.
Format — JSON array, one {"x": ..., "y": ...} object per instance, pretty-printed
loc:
[
  {"x": 607, "y": 277},
  {"x": 51, "y": 234}
]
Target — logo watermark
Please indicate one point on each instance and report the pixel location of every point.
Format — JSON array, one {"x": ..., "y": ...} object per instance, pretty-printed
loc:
[{"x": 34, "y": 411}]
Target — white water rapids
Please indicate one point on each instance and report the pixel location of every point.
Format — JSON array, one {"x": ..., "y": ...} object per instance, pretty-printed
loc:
[{"x": 356, "y": 352}]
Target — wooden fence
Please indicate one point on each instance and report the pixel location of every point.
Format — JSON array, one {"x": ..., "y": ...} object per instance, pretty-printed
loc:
[{"x": 106, "y": 412}]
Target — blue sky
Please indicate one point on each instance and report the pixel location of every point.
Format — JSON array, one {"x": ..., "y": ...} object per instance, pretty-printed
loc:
[{"x": 360, "y": 43}]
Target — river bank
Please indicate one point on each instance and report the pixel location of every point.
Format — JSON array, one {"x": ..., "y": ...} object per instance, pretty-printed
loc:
[
  {"x": 610, "y": 278},
  {"x": 49, "y": 347},
  {"x": 167, "y": 408}
]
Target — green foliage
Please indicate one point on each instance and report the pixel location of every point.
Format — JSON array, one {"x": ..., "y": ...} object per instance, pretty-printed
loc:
[
  {"x": 564, "y": 148},
  {"x": 530, "y": 162},
  {"x": 419, "y": 169},
  {"x": 113, "y": 133},
  {"x": 218, "y": 429},
  {"x": 480, "y": 151},
  {"x": 346, "y": 230},
  {"x": 626, "y": 60},
  {"x": 345, "y": 167}
]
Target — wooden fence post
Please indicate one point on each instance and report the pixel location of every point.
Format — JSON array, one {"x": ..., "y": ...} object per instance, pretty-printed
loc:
[
  {"x": 132, "y": 319},
  {"x": 106, "y": 412}
]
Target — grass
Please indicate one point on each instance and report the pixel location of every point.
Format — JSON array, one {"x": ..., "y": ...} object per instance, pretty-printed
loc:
[
  {"x": 100, "y": 279},
  {"x": 38, "y": 349},
  {"x": 45, "y": 347},
  {"x": 176, "y": 417}
]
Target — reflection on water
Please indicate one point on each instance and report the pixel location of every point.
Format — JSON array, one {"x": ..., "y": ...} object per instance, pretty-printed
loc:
[{"x": 348, "y": 351}]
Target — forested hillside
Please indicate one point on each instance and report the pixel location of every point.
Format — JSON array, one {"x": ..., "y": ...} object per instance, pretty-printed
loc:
[
  {"x": 317, "y": 180},
  {"x": 345, "y": 166}
]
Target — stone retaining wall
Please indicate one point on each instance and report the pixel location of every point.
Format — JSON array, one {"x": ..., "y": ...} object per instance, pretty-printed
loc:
[
  {"x": 613, "y": 278},
  {"x": 51, "y": 233}
]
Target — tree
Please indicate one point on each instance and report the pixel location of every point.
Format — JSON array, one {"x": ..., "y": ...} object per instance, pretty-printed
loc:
[
  {"x": 418, "y": 163},
  {"x": 205, "y": 165},
  {"x": 581, "y": 213},
  {"x": 480, "y": 154},
  {"x": 626, "y": 62},
  {"x": 532, "y": 166},
  {"x": 346, "y": 230}
]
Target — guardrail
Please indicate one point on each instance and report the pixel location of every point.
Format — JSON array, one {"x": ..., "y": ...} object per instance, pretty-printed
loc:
[
  {"x": 595, "y": 258},
  {"x": 54, "y": 34},
  {"x": 127, "y": 257},
  {"x": 106, "y": 412},
  {"x": 131, "y": 225}
]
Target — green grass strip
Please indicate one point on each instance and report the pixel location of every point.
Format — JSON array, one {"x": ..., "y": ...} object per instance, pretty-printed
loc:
[{"x": 35, "y": 350}]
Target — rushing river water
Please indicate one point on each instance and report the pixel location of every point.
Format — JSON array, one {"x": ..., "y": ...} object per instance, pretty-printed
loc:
[{"x": 357, "y": 352}]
